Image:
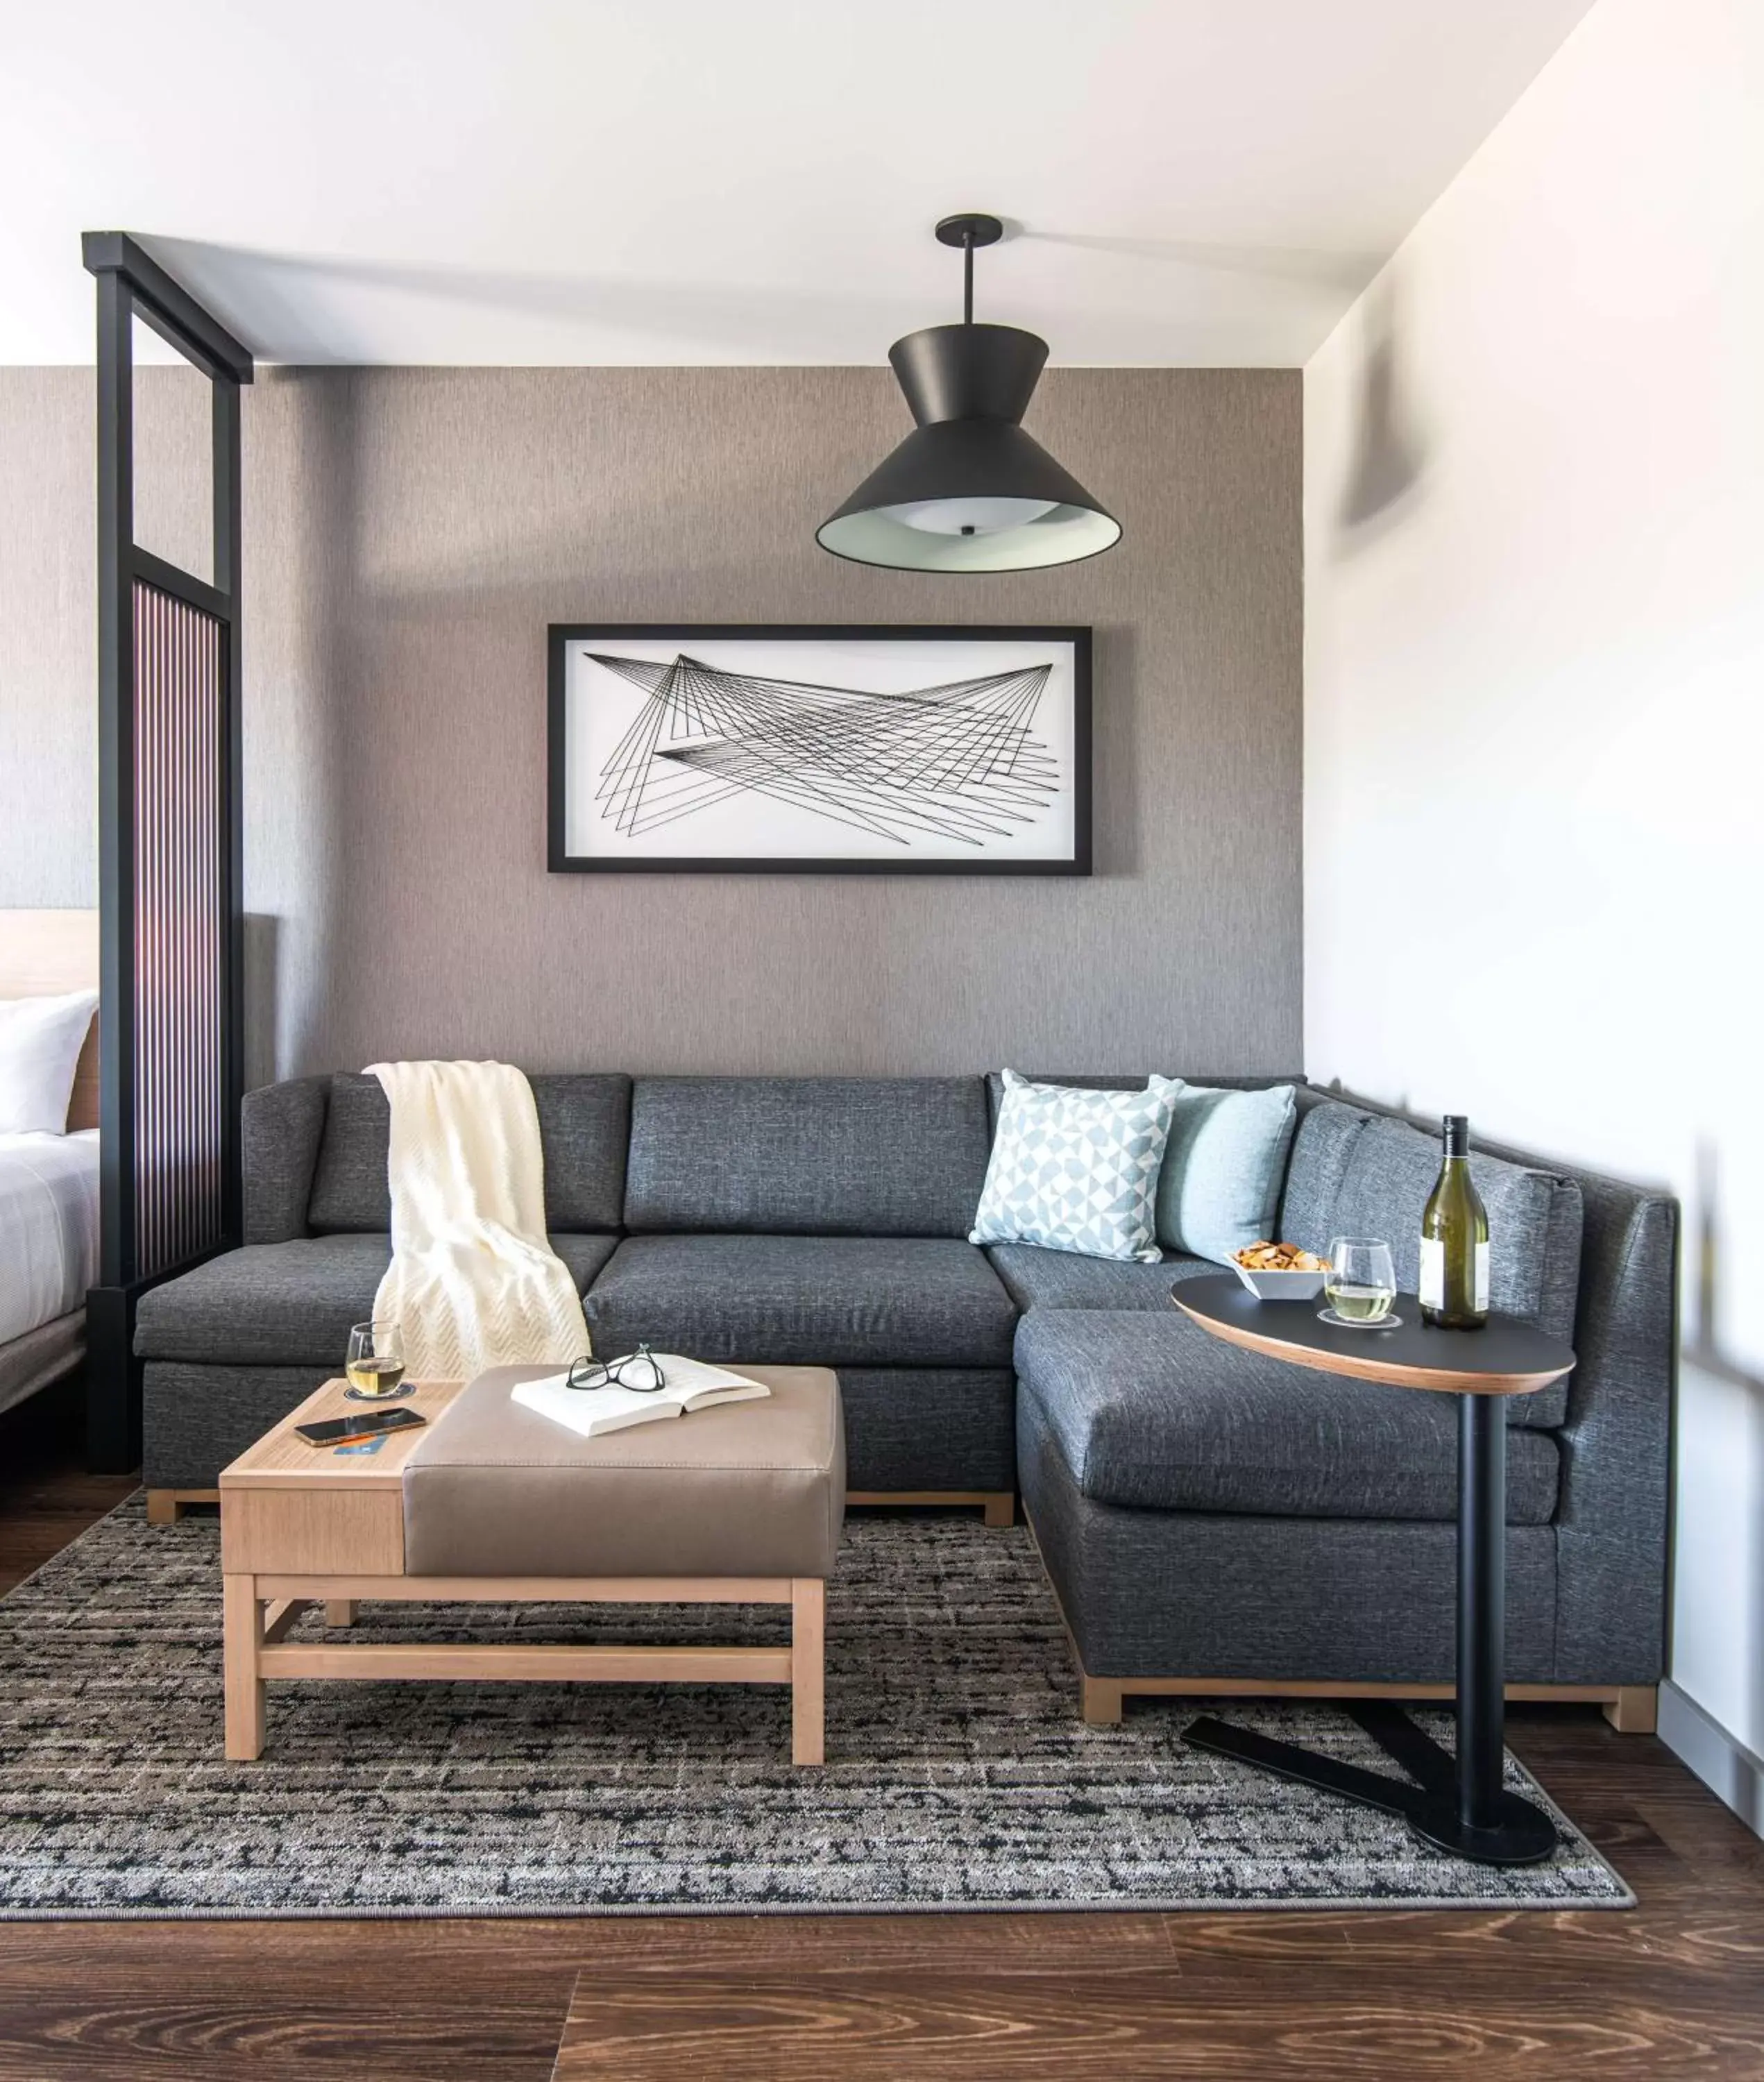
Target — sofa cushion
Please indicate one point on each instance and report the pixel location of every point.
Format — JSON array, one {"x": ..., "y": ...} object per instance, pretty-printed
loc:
[
  {"x": 584, "y": 1123},
  {"x": 1075, "y": 1169},
  {"x": 863, "y": 1157},
  {"x": 279, "y": 1129},
  {"x": 1224, "y": 1169},
  {"x": 1115, "y": 1081},
  {"x": 1153, "y": 1411},
  {"x": 291, "y": 1304},
  {"x": 1037, "y": 1279},
  {"x": 816, "y": 1300},
  {"x": 1321, "y": 1145}
]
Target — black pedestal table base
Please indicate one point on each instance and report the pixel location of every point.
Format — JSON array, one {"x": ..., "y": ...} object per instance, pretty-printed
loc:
[
  {"x": 1511, "y": 1831},
  {"x": 1461, "y": 1804}
]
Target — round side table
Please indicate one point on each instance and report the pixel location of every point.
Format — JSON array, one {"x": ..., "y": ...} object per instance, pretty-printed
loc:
[{"x": 1459, "y": 1806}]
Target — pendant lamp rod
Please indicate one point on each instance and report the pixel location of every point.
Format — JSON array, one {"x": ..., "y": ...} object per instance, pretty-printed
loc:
[{"x": 973, "y": 228}]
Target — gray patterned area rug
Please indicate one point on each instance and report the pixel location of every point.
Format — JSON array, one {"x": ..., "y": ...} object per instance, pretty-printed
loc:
[{"x": 958, "y": 1775}]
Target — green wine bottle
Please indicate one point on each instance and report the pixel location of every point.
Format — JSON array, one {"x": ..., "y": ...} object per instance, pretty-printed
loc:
[{"x": 1454, "y": 1240}]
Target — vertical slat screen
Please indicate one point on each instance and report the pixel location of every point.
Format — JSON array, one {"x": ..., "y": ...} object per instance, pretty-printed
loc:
[{"x": 181, "y": 922}]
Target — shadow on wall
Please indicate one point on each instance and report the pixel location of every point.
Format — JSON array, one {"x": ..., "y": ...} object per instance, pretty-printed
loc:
[
  {"x": 1325, "y": 268},
  {"x": 1703, "y": 1344},
  {"x": 1389, "y": 455},
  {"x": 301, "y": 440},
  {"x": 261, "y": 929},
  {"x": 288, "y": 303},
  {"x": 307, "y": 307}
]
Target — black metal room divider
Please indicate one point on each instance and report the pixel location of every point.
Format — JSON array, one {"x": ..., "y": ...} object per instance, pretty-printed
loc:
[{"x": 170, "y": 1024}]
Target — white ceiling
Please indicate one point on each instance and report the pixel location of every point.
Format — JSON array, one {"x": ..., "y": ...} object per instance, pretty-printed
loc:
[{"x": 1189, "y": 182}]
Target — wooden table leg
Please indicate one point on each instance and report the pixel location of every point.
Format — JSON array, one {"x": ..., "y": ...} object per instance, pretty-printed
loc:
[
  {"x": 242, "y": 1615},
  {"x": 808, "y": 1670},
  {"x": 339, "y": 1611}
]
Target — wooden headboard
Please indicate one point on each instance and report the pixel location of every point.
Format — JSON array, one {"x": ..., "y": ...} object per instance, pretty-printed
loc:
[{"x": 43, "y": 954}]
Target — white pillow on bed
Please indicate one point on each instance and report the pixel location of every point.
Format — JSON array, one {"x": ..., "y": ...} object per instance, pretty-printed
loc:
[{"x": 40, "y": 1040}]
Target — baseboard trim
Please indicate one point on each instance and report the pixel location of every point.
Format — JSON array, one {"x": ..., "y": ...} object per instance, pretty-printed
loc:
[{"x": 1733, "y": 1773}]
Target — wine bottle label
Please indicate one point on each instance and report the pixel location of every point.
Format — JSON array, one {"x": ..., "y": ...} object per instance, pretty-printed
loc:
[{"x": 1433, "y": 1276}]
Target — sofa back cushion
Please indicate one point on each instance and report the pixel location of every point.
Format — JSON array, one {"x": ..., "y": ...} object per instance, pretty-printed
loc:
[
  {"x": 807, "y": 1156},
  {"x": 584, "y": 1123},
  {"x": 1116, "y": 1081},
  {"x": 1321, "y": 1146},
  {"x": 280, "y": 1127},
  {"x": 1224, "y": 1168}
]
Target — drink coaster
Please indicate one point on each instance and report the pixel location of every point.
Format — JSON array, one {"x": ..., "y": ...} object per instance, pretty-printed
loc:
[
  {"x": 404, "y": 1388},
  {"x": 1392, "y": 1322}
]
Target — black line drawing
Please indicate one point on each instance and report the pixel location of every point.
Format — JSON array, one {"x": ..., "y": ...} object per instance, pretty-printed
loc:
[{"x": 958, "y": 762}]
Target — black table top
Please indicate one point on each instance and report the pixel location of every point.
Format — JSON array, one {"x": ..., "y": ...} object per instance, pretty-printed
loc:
[{"x": 1505, "y": 1357}]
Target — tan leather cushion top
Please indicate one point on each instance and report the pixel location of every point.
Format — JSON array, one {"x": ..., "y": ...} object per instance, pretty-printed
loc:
[{"x": 752, "y": 1489}]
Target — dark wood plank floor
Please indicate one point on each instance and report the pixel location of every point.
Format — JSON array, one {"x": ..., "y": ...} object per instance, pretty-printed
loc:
[
  {"x": 1674, "y": 1989},
  {"x": 45, "y": 1500}
]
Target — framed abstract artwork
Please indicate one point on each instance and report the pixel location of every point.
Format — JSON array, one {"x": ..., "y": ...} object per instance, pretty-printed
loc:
[{"x": 736, "y": 749}]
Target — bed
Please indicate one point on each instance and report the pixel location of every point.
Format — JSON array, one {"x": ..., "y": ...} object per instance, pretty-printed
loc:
[{"x": 48, "y": 1183}]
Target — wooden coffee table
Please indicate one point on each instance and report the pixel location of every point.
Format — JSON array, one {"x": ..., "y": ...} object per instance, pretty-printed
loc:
[{"x": 302, "y": 1526}]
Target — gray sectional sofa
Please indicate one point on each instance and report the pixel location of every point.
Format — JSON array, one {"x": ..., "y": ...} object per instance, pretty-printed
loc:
[{"x": 1207, "y": 1518}]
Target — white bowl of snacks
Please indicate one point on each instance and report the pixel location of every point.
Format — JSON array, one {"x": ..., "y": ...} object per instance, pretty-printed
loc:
[{"x": 1280, "y": 1272}]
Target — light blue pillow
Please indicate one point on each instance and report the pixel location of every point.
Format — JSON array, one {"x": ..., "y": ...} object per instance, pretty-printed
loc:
[
  {"x": 1224, "y": 1167},
  {"x": 1076, "y": 1170}
]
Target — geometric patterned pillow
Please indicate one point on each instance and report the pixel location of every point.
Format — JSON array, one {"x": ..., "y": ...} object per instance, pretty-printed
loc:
[{"x": 1076, "y": 1170}]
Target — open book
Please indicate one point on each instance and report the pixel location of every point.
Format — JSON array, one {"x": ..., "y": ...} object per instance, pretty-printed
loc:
[{"x": 686, "y": 1385}]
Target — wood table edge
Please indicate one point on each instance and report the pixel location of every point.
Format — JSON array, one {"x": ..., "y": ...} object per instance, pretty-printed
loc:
[
  {"x": 325, "y": 1401},
  {"x": 1393, "y": 1372}
]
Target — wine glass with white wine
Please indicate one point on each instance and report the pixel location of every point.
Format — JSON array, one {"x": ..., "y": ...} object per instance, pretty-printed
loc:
[
  {"x": 376, "y": 1362},
  {"x": 1361, "y": 1284}
]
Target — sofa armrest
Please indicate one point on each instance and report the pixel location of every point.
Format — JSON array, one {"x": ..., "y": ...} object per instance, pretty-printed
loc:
[
  {"x": 1611, "y": 1517},
  {"x": 279, "y": 1126}
]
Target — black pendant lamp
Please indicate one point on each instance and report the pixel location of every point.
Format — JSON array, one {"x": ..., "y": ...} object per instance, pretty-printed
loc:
[{"x": 968, "y": 490}]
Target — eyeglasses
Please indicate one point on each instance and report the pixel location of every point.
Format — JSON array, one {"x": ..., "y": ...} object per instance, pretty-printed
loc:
[{"x": 639, "y": 1370}]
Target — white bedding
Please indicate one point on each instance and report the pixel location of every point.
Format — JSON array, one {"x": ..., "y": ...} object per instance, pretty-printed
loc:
[{"x": 49, "y": 1227}]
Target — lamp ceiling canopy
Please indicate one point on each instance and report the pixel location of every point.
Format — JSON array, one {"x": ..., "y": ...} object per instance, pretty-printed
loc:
[{"x": 968, "y": 490}]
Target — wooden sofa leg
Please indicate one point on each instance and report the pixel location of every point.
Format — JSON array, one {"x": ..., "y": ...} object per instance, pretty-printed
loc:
[
  {"x": 1636, "y": 1710},
  {"x": 166, "y": 1507},
  {"x": 339, "y": 1611},
  {"x": 1100, "y": 1702},
  {"x": 1001, "y": 1509}
]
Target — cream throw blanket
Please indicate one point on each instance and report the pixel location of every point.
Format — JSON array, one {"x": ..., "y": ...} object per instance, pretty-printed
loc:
[{"x": 472, "y": 1280}]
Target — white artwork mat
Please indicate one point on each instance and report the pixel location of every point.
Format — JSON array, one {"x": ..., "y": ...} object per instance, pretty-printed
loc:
[{"x": 862, "y": 748}]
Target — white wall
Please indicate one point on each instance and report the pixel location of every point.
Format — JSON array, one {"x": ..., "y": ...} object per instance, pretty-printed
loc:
[{"x": 1534, "y": 705}]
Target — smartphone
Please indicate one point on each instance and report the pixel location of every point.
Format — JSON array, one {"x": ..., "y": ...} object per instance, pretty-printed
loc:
[{"x": 334, "y": 1431}]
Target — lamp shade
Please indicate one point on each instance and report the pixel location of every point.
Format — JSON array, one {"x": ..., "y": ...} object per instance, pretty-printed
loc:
[{"x": 968, "y": 490}]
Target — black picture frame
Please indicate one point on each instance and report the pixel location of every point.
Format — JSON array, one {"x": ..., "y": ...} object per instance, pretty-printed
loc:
[{"x": 560, "y": 635}]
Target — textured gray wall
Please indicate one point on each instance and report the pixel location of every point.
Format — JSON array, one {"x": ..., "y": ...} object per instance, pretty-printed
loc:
[{"x": 410, "y": 533}]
